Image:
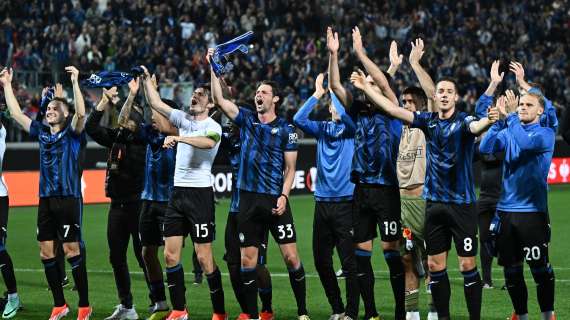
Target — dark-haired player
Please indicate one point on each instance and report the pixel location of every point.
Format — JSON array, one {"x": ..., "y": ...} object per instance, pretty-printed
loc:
[
  {"x": 124, "y": 178},
  {"x": 59, "y": 210},
  {"x": 448, "y": 189},
  {"x": 376, "y": 193},
  {"x": 265, "y": 177},
  {"x": 191, "y": 205}
]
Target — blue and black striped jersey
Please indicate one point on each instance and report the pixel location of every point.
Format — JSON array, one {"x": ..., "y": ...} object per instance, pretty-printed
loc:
[
  {"x": 60, "y": 165},
  {"x": 262, "y": 155}
]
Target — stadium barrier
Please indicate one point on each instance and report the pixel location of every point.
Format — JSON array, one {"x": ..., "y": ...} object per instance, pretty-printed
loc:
[{"x": 22, "y": 177}]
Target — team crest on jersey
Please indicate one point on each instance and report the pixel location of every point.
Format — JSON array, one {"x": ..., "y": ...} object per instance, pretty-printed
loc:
[
  {"x": 241, "y": 237},
  {"x": 274, "y": 131}
]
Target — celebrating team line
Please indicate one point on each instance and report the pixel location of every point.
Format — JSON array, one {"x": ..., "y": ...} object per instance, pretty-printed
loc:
[{"x": 388, "y": 165}]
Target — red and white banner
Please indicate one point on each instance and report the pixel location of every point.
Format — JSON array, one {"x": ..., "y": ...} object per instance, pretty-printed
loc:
[{"x": 559, "y": 171}]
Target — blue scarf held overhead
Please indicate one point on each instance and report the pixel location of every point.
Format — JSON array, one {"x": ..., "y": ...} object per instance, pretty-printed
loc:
[
  {"x": 109, "y": 79},
  {"x": 220, "y": 61}
]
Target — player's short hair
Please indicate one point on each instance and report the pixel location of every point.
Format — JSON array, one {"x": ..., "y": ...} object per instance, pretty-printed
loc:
[
  {"x": 449, "y": 79},
  {"x": 539, "y": 97},
  {"x": 64, "y": 102},
  {"x": 274, "y": 88},
  {"x": 419, "y": 97},
  {"x": 206, "y": 87}
]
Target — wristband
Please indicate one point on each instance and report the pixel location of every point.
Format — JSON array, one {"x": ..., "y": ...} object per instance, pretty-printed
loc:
[{"x": 286, "y": 197}]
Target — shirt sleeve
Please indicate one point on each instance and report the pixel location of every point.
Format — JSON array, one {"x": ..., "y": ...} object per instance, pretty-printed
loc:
[
  {"x": 301, "y": 118},
  {"x": 291, "y": 143},
  {"x": 483, "y": 103},
  {"x": 466, "y": 122},
  {"x": 35, "y": 128},
  {"x": 178, "y": 119},
  {"x": 242, "y": 117},
  {"x": 494, "y": 140},
  {"x": 421, "y": 120},
  {"x": 214, "y": 131},
  {"x": 537, "y": 141}
]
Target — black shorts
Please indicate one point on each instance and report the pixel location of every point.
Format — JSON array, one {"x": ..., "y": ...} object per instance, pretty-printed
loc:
[
  {"x": 445, "y": 221},
  {"x": 191, "y": 211},
  {"x": 334, "y": 219},
  {"x": 523, "y": 236},
  {"x": 255, "y": 218},
  {"x": 59, "y": 218},
  {"x": 4, "y": 206},
  {"x": 232, "y": 255},
  {"x": 377, "y": 205},
  {"x": 150, "y": 222}
]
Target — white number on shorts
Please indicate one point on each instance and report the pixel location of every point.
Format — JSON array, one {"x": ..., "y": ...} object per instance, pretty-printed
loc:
[
  {"x": 532, "y": 253},
  {"x": 65, "y": 230},
  {"x": 285, "y": 231},
  {"x": 390, "y": 228},
  {"x": 201, "y": 230},
  {"x": 467, "y": 244}
]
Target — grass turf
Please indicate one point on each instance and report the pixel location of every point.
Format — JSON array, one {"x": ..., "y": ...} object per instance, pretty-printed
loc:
[{"x": 37, "y": 300}]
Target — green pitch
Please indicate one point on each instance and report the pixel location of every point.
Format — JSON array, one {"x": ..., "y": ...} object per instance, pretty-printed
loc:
[{"x": 37, "y": 300}]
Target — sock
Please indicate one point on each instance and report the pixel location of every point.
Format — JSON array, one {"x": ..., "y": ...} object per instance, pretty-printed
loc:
[
  {"x": 79, "y": 272},
  {"x": 441, "y": 292},
  {"x": 298, "y": 284},
  {"x": 431, "y": 306},
  {"x": 157, "y": 291},
  {"x": 546, "y": 315},
  {"x": 216, "y": 291},
  {"x": 52, "y": 276},
  {"x": 175, "y": 280},
  {"x": 366, "y": 282},
  {"x": 473, "y": 290},
  {"x": 544, "y": 279},
  {"x": 7, "y": 270},
  {"x": 514, "y": 281},
  {"x": 397, "y": 280},
  {"x": 249, "y": 282},
  {"x": 412, "y": 300},
  {"x": 265, "y": 291},
  {"x": 525, "y": 316},
  {"x": 235, "y": 279}
]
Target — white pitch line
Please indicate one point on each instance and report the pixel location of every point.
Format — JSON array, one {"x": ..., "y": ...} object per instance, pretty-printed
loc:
[{"x": 277, "y": 275}]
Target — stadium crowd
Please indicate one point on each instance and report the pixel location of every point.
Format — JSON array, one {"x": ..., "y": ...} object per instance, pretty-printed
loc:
[{"x": 462, "y": 39}]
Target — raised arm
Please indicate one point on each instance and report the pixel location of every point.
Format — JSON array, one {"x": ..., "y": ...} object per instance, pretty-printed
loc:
[
  {"x": 11, "y": 101},
  {"x": 301, "y": 118},
  {"x": 372, "y": 69},
  {"x": 102, "y": 135},
  {"x": 124, "y": 116},
  {"x": 335, "y": 84},
  {"x": 395, "y": 59},
  {"x": 152, "y": 95},
  {"x": 518, "y": 69},
  {"x": 496, "y": 78},
  {"x": 78, "y": 120},
  {"x": 423, "y": 77},
  {"x": 227, "y": 106},
  {"x": 358, "y": 79}
]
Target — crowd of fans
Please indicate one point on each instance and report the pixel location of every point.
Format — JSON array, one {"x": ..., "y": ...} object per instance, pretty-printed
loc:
[{"x": 170, "y": 37}]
